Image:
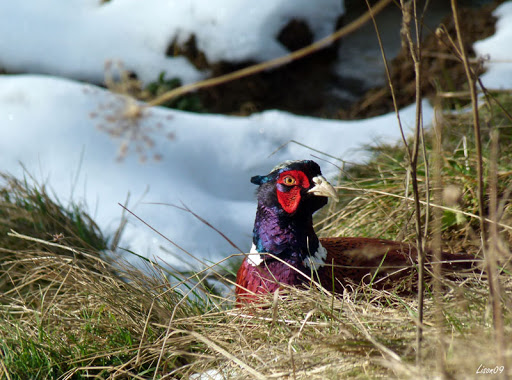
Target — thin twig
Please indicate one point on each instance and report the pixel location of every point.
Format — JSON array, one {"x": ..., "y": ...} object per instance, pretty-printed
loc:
[
  {"x": 388, "y": 76},
  {"x": 493, "y": 248},
  {"x": 436, "y": 241},
  {"x": 415, "y": 52},
  {"x": 454, "y": 210},
  {"x": 184, "y": 207},
  {"x": 225, "y": 353},
  {"x": 494, "y": 292},
  {"x": 254, "y": 69}
]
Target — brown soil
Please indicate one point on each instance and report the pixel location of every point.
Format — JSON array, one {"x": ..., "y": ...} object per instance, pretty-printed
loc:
[
  {"x": 293, "y": 87},
  {"x": 441, "y": 70},
  {"x": 302, "y": 87},
  {"x": 298, "y": 87}
]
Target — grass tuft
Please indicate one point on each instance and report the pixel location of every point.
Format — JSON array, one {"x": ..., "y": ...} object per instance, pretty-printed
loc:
[
  {"x": 376, "y": 198},
  {"x": 68, "y": 313}
]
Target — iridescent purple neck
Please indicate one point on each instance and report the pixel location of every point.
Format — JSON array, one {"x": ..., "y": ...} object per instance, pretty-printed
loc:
[{"x": 291, "y": 238}]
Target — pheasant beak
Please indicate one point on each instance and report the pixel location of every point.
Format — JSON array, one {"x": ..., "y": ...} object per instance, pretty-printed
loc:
[{"x": 323, "y": 188}]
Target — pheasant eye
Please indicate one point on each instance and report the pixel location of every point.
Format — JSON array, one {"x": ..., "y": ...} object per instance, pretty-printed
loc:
[{"x": 289, "y": 180}]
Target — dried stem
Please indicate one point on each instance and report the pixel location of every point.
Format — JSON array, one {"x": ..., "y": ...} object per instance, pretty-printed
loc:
[
  {"x": 492, "y": 252},
  {"x": 492, "y": 273},
  {"x": 254, "y": 69},
  {"x": 415, "y": 51},
  {"x": 436, "y": 241},
  {"x": 388, "y": 74}
]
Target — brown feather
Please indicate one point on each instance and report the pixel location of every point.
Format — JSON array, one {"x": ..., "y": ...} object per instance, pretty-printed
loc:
[{"x": 354, "y": 259}]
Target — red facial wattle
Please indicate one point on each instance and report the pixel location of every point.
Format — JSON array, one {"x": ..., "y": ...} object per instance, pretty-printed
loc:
[{"x": 292, "y": 181}]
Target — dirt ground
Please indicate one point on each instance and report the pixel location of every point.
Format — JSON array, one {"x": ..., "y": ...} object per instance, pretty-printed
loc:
[{"x": 302, "y": 87}]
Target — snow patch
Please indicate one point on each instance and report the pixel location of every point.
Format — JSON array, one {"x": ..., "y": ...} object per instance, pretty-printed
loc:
[
  {"x": 74, "y": 38},
  {"x": 50, "y": 125},
  {"x": 497, "y": 49}
]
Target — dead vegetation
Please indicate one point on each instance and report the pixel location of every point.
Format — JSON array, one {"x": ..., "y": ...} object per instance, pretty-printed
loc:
[
  {"x": 68, "y": 310},
  {"x": 76, "y": 318},
  {"x": 69, "y": 313}
]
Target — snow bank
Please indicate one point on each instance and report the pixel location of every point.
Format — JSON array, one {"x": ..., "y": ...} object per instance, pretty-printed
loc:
[
  {"x": 74, "y": 38},
  {"x": 497, "y": 49},
  {"x": 51, "y": 126}
]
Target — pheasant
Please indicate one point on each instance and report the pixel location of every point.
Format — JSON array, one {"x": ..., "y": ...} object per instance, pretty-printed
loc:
[{"x": 286, "y": 249}]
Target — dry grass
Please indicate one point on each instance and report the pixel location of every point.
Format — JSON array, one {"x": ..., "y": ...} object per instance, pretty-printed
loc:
[
  {"x": 83, "y": 320},
  {"x": 68, "y": 310},
  {"x": 68, "y": 313},
  {"x": 377, "y": 197}
]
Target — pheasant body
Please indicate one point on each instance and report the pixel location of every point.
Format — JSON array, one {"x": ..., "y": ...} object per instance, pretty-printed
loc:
[{"x": 286, "y": 249}]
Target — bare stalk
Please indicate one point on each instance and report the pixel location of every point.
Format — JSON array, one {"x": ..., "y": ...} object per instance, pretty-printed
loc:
[
  {"x": 491, "y": 260},
  {"x": 415, "y": 51},
  {"x": 388, "y": 74},
  {"x": 251, "y": 70},
  {"x": 436, "y": 241},
  {"x": 490, "y": 263}
]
